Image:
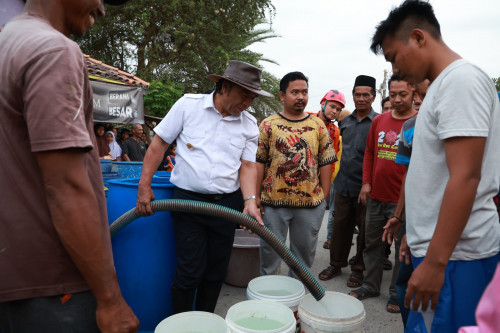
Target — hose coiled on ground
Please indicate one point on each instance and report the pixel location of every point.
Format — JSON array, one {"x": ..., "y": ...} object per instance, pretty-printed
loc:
[{"x": 205, "y": 208}]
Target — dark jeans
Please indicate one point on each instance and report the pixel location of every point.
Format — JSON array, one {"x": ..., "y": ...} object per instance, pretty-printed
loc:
[
  {"x": 203, "y": 243},
  {"x": 348, "y": 214},
  {"x": 404, "y": 275},
  {"x": 49, "y": 314}
]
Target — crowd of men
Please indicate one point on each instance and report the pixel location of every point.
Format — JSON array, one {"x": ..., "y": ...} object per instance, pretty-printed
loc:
[{"x": 426, "y": 182}]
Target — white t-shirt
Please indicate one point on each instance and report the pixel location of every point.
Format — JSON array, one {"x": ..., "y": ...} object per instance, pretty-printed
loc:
[
  {"x": 461, "y": 102},
  {"x": 209, "y": 147}
]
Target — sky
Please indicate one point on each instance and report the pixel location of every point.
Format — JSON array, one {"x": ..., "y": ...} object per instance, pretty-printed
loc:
[{"x": 329, "y": 40}]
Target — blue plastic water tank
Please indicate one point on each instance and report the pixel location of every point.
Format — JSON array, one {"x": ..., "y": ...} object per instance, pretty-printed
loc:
[
  {"x": 105, "y": 165},
  {"x": 107, "y": 176},
  {"x": 164, "y": 174},
  {"x": 144, "y": 252},
  {"x": 131, "y": 169}
]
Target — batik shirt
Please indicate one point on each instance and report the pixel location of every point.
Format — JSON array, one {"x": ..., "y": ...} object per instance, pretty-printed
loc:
[{"x": 293, "y": 151}]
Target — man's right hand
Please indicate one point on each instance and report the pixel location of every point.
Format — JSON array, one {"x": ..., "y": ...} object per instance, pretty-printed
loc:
[
  {"x": 116, "y": 317},
  {"x": 144, "y": 197},
  {"x": 391, "y": 229},
  {"x": 404, "y": 251}
]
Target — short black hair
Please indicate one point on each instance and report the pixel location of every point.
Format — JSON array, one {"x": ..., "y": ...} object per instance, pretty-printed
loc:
[
  {"x": 292, "y": 76},
  {"x": 411, "y": 14},
  {"x": 394, "y": 77},
  {"x": 385, "y": 100}
]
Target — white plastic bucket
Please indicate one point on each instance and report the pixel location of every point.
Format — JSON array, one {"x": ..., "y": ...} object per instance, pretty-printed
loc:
[
  {"x": 335, "y": 312},
  {"x": 277, "y": 288},
  {"x": 260, "y": 316},
  {"x": 193, "y": 322}
]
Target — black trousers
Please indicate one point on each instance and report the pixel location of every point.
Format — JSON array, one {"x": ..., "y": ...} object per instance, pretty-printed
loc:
[
  {"x": 50, "y": 314},
  {"x": 348, "y": 214},
  {"x": 203, "y": 243}
]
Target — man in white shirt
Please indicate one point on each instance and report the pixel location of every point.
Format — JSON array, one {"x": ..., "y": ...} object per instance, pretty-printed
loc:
[{"x": 215, "y": 157}]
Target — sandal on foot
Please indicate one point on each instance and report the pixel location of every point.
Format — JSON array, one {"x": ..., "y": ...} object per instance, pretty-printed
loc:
[
  {"x": 387, "y": 264},
  {"x": 355, "y": 280},
  {"x": 327, "y": 244},
  {"x": 329, "y": 273},
  {"x": 393, "y": 305},
  {"x": 362, "y": 294}
]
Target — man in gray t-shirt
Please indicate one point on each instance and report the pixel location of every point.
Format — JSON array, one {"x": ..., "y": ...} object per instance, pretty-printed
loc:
[{"x": 452, "y": 227}]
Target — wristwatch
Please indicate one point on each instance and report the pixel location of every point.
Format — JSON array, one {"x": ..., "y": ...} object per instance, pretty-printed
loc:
[{"x": 249, "y": 197}]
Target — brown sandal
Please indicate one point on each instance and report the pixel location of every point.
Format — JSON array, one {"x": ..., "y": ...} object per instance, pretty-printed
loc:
[
  {"x": 327, "y": 244},
  {"x": 329, "y": 273},
  {"x": 362, "y": 294}
]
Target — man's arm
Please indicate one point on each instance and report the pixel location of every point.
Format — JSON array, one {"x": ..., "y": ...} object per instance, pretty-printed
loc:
[
  {"x": 248, "y": 180},
  {"x": 458, "y": 199},
  {"x": 261, "y": 168},
  {"x": 325, "y": 174},
  {"x": 394, "y": 223},
  {"x": 153, "y": 158},
  {"x": 368, "y": 158},
  {"x": 125, "y": 149},
  {"x": 75, "y": 216}
]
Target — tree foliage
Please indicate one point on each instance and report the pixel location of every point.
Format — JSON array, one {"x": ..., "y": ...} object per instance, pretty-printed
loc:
[
  {"x": 496, "y": 81},
  {"x": 161, "y": 96},
  {"x": 179, "y": 41},
  {"x": 263, "y": 107}
]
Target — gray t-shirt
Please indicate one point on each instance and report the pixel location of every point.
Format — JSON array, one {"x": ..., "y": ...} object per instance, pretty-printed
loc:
[
  {"x": 461, "y": 102},
  {"x": 45, "y": 105},
  {"x": 354, "y": 133}
]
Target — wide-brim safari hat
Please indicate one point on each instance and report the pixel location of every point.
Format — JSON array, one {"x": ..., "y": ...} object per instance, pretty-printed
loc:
[{"x": 243, "y": 74}]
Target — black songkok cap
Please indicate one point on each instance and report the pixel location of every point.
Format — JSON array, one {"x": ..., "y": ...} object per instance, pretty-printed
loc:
[{"x": 365, "y": 81}]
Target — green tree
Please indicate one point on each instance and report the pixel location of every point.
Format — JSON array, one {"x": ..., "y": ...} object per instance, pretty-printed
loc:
[
  {"x": 161, "y": 96},
  {"x": 497, "y": 83},
  {"x": 179, "y": 41},
  {"x": 263, "y": 107}
]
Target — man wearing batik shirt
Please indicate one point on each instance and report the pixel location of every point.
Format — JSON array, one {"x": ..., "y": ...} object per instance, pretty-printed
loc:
[{"x": 294, "y": 168}]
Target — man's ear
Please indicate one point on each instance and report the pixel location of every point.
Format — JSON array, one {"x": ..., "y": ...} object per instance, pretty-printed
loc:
[
  {"x": 282, "y": 96},
  {"x": 223, "y": 88},
  {"x": 419, "y": 36}
]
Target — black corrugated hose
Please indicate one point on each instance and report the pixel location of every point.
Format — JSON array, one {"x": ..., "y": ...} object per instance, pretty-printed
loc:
[{"x": 205, "y": 208}]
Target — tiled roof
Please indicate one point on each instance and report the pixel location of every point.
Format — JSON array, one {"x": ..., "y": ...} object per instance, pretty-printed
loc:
[{"x": 102, "y": 72}]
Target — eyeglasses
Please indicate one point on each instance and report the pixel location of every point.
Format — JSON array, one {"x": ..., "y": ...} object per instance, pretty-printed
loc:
[{"x": 363, "y": 96}]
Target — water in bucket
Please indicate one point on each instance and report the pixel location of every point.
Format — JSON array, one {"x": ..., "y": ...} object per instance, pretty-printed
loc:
[
  {"x": 193, "y": 322},
  {"x": 277, "y": 288},
  {"x": 335, "y": 312},
  {"x": 260, "y": 316}
]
